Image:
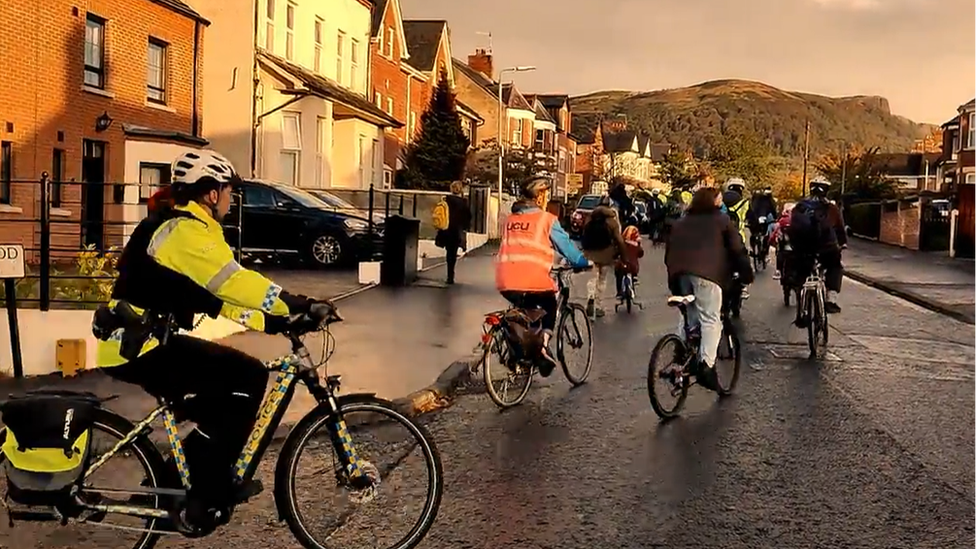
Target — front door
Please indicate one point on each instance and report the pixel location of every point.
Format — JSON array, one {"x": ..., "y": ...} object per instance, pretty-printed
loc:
[{"x": 93, "y": 194}]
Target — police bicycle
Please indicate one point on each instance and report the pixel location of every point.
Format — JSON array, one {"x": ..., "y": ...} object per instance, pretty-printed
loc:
[
  {"x": 510, "y": 333},
  {"x": 812, "y": 313},
  {"x": 328, "y": 447}
]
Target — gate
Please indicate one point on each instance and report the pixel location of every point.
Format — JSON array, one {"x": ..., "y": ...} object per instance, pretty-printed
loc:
[
  {"x": 966, "y": 222},
  {"x": 478, "y": 202},
  {"x": 933, "y": 230}
]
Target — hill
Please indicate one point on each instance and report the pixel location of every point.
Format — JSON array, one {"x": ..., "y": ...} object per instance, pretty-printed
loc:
[{"x": 694, "y": 117}]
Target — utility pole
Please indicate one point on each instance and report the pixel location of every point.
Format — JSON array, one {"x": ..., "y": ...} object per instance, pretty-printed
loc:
[
  {"x": 806, "y": 155},
  {"x": 843, "y": 171}
]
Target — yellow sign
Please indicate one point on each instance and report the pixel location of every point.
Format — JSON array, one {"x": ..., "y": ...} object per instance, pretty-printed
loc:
[{"x": 574, "y": 182}]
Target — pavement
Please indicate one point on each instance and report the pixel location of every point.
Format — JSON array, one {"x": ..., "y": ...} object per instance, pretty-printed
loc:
[
  {"x": 871, "y": 448},
  {"x": 929, "y": 279}
]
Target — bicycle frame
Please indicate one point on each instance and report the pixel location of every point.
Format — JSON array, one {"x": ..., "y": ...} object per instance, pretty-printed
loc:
[
  {"x": 297, "y": 365},
  {"x": 814, "y": 283}
]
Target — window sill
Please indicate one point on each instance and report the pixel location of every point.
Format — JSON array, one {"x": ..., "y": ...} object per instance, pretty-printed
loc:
[
  {"x": 98, "y": 91},
  {"x": 60, "y": 212},
  {"x": 159, "y": 106},
  {"x": 8, "y": 209}
]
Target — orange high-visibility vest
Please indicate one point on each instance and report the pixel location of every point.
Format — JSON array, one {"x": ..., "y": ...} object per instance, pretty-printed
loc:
[{"x": 526, "y": 255}]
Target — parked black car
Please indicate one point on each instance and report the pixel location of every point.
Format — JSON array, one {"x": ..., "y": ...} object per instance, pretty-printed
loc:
[{"x": 273, "y": 220}]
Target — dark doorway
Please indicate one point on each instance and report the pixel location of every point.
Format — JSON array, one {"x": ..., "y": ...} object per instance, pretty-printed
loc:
[{"x": 93, "y": 194}]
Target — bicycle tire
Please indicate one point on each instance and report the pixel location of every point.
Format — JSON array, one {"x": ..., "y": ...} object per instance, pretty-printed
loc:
[
  {"x": 284, "y": 490},
  {"x": 812, "y": 315},
  {"x": 729, "y": 334},
  {"x": 652, "y": 379},
  {"x": 497, "y": 338},
  {"x": 818, "y": 326},
  {"x": 148, "y": 455},
  {"x": 572, "y": 309}
]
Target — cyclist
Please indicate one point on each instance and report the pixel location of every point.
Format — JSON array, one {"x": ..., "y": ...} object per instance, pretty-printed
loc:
[
  {"x": 178, "y": 263},
  {"x": 602, "y": 243},
  {"x": 776, "y": 230},
  {"x": 629, "y": 260},
  {"x": 761, "y": 214},
  {"x": 737, "y": 208},
  {"x": 531, "y": 241},
  {"x": 817, "y": 230},
  {"x": 701, "y": 255}
]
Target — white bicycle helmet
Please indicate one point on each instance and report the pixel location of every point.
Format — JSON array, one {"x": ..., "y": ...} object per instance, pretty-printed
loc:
[
  {"x": 819, "y": 182},
  {"x": 192, "y": 166},
  {"x": 735, "y": 184}
]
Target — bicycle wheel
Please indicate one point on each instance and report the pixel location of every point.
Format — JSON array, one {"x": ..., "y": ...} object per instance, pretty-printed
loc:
[
  {"x": 629, "y": 292},
  {"x": 506, "y": 386},
  {"x": 372, "y": 518},
  {"x": 729, "y": 360},
  {"x": 574, "y": 332},
  {"x": 666, "y": 371},
  {"x": 817, "y": 330},
  {"x": 136, "y": 466}
]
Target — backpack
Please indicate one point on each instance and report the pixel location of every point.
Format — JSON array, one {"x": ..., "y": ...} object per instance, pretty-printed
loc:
[
  {"x": 46, "y": 441},
  {"x": 596, "y": 235},
  {"x": 440, "y": 215},
  {"x": 806, "y": 223}
]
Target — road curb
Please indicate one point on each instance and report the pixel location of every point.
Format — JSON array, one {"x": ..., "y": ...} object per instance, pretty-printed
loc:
[{"x": 910, "y": 296}]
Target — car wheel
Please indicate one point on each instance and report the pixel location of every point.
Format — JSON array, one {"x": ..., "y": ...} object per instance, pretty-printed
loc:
[{"x": 326, "y": 250}]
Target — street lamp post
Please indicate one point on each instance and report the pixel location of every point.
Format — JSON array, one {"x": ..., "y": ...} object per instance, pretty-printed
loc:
[{"x": 501, "y": 143}]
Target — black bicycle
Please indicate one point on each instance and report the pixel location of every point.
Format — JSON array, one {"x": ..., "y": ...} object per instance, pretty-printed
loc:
[
  {"x": 506, "y": 330},
  {"x": 812, "y": 313},
  {"x": 331, "y": 442},
  {"x": 676, "y": 371},
  {"x": 759, "y": 246}
]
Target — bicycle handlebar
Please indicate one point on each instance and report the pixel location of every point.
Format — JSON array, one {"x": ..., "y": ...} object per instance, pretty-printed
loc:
[{"x": 320, "y": 314}]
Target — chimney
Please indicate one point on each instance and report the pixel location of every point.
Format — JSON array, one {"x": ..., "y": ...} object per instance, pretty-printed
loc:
[{"x": 481, "y": 62}]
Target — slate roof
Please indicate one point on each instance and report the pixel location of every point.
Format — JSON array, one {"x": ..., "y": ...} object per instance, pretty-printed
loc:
[
  {"x": 553, "y": 100},
  {"x": 659, "y": 151},
  {"x": 327, "y": 88},
  {"x": 618, "y": 142},
  {"x": 379, "y": 8},
  {"x": 541, "y": 113},
  {"x": 183, "y": 8},
  {"x": 511, "y": 97},
  {"x": 642, "y": 141},
  {"x": 423, "y": 39},
  {"x": 906, "y": 164}
]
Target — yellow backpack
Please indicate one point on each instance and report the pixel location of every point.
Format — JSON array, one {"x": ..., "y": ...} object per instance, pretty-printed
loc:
[{"x": 440, "y": 215}]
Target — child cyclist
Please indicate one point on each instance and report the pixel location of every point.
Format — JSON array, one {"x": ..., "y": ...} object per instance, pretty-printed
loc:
[{"x": 629, "y": 262}]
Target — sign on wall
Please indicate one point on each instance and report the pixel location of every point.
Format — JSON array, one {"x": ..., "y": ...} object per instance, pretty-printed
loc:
[{"x": 12, "y": 261}]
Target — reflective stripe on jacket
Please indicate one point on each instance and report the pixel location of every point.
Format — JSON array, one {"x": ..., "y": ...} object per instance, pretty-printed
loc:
[
  {"x": 195, "y": 247},
  {"x": 741, "y": 208},
  {"x": 526, "y": 254}
]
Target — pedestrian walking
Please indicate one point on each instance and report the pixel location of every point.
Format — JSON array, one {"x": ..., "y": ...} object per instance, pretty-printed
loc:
[
  {"x": 602, "y": 243},
  {"x": 455, "y": 235}
]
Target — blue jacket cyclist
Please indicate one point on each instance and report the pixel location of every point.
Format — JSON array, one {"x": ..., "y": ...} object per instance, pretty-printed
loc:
[{"x": 178, "y": 263}]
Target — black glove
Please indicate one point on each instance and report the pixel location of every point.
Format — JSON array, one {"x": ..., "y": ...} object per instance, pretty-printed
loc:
[
  {"x": 297, "y": 304},
  {"x": 317, "y": 315}
]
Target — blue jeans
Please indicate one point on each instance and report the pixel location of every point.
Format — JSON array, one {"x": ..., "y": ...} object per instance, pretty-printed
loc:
[{"x": 705, "y": 311}]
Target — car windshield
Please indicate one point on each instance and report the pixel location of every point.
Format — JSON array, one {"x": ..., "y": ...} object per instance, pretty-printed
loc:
[
  {"x": 333, "y": 200},
  {"x": 588, "y": 202},
  {"x": 304, "y": 198}
]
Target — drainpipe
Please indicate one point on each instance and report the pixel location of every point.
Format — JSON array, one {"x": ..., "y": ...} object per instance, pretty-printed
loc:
[
  {"x": 255, "y": 81},
  {"x": 195, "y": 117}
]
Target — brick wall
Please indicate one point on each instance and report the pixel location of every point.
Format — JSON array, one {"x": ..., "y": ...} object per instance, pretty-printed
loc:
[
  {"x": 388, "y": 79},
  {"x": 900, "y": 222},
  {"x": 42, "y": 101},
  {"x": 482, "y": 103}
]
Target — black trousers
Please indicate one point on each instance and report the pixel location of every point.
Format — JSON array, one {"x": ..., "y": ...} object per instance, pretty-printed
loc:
[
  {"x": 536, "y": 300},
  {"x": 829, "y": 259},
  {"x": 228, "y": 387},
  {"x": 452, "y": 257}
]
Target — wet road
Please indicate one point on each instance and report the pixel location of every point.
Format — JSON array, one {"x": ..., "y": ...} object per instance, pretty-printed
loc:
[{"x": 871, "y": 449}]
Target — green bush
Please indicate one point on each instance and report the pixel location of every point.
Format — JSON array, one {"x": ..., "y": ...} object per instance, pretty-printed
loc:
[{"x": 92, "y": 276}]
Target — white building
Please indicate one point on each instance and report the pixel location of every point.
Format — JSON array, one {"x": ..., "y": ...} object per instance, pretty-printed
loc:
[{"x": 286, "y": 101}]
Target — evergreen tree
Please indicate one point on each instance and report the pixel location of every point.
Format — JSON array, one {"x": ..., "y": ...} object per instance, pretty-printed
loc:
[{"x": 439, "y": 153}]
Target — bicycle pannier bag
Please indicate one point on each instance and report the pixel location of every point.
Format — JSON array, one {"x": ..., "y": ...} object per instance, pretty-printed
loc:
[{"x": 46, "y": 442}]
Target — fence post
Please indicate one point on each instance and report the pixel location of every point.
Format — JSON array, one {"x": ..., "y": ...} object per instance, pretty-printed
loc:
[
  {"x": 45, "y": 285},
  {"x": 386, "y": 208},
  {"x": 369, "y": 218},
  {"x": 400, "y": 208},
  {"x": 414, "y": 199}
]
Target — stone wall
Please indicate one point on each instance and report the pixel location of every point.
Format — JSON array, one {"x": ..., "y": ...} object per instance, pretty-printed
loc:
[{"x": 900, "y": 222}]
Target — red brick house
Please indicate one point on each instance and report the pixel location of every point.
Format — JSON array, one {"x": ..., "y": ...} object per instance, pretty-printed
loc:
[
  {"x": 108, "y": 93},
  {"x": 557, "y": 106},
  {"x": 957, "y": 173},
  {"x": 407, "y": 58}
]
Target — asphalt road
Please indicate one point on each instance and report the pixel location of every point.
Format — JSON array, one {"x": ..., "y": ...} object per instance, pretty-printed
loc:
[{"x": 873, "y": 448}]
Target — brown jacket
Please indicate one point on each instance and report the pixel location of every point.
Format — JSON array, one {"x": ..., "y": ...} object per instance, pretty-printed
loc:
[
  {"x": 707, "y": 245},
  {"x": 606, "y": 256}
]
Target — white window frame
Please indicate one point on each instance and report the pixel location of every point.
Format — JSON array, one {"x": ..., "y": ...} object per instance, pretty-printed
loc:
[
  {"x": 340, "y": 52},
  {"x": 378, "y": 99},
  {"x": 363, "y": 164},
  {"x": 95, "y": 74},
  {"x": 970, "y": 178},
  {"x": 376, "y": 163},
  {"x": 290, "y": 9},
  {"x": 971, "y": 136},
  {"x": 269, "y": 25},
  {"x": 412, "y": 126},
  {"x": 321, "y": 123},
  {"x": 389, "y": 42},
  {"x": 517, "y": 131},
  {"x": 389, "y": 106},
  {"x": 156, "y": 91},
  {"x": 318, "y": 31},
  {"x": 387, "y": 178},
  {"x": 294, "y": 149},
  {"x": 354, "y": 54}
]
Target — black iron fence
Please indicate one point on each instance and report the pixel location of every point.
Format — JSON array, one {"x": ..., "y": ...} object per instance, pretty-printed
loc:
[{"x": 73, "y": 232}]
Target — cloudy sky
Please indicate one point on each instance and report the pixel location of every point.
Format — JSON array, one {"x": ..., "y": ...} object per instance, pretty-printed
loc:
[{"x": 917, "y": 53}]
